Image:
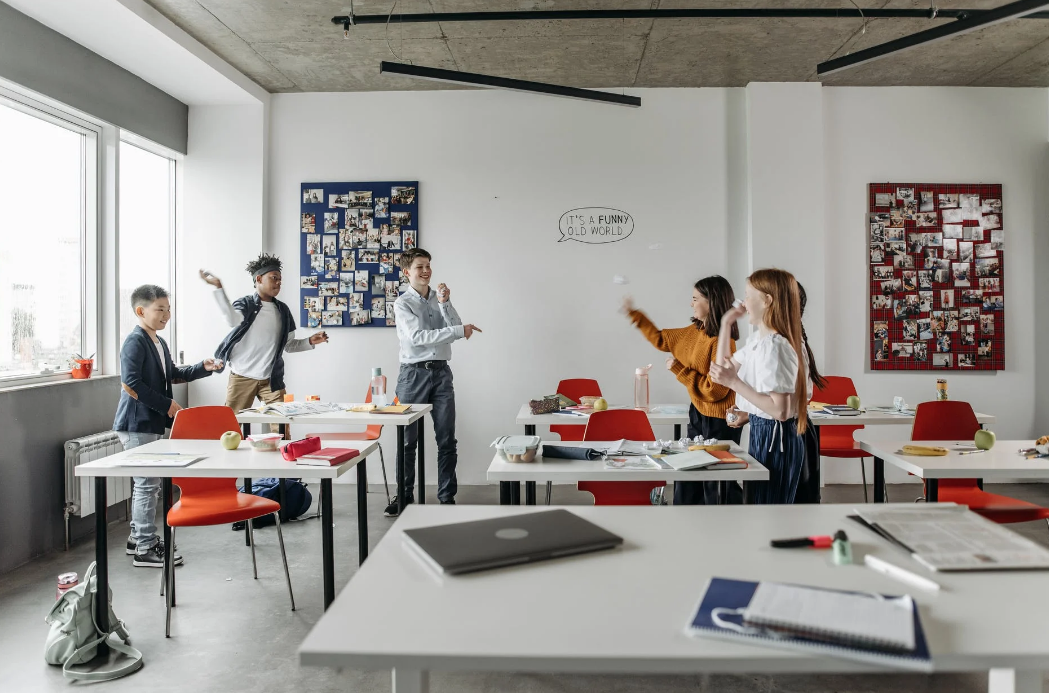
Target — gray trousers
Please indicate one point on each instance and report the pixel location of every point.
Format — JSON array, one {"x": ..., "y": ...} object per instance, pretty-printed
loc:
[{"x": 420, "y": 385}]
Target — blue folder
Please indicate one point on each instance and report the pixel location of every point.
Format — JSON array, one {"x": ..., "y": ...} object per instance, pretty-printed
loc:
[{"x": 736, "y": 594}]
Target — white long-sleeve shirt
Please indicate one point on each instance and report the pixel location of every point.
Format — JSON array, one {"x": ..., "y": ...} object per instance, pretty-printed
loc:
[
  {"x": 252, "y": 357},
  {"x": 426, "y": 327}
]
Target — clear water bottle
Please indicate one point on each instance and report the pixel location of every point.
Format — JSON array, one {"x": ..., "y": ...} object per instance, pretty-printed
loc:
[
  {"x": 378, "y": 388},
  {"x": 641, "y": 388}
]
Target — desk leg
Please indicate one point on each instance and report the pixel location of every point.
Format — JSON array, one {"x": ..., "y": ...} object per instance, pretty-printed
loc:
[
  {"x": 530, "y": 431},
  {"x": 327, "y": 543},
  {"x": 101, "y": 561},
  {"x": 529, "y": 493},
  {"x": 420, "y": 457},
  {"x": 504, "y": 493},
  {"x": 746, "y": 492},
  {"x": 1010, "y": 681},
  {"x": 411, "y": 681},
  {"x": 677, "y": 431},
  {"x": 932, "y": 490},
  {"x": 400, "y": 469},
  {"x": 515, "y": 493},
  {"x": 247, "y": 534},
  {"x": 166, "y": 499},
  {"x": 362, "y": 511},
  {"x": 282, "y": 513},
  {"x": 879, "y": 480}
]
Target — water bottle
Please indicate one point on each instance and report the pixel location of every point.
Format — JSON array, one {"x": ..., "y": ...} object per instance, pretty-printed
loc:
[
  {"x": 641, "y": 388},
  {"x": 66, "y": 582},
  {"x": 378, "y": 388}
]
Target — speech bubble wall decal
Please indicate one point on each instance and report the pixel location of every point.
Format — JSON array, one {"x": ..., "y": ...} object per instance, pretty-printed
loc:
[{"x": 595, "y": 225}]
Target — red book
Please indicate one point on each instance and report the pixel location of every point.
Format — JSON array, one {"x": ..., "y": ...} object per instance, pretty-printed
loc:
[{"x": 327, "y": 457}]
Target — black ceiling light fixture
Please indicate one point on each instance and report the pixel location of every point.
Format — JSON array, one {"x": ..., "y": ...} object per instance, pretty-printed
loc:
[
  {"x": 489, "y": 82},
  {"x": 972, "y": 22}
]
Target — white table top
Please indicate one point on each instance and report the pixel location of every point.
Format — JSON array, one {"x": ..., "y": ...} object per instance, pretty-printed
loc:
[
  {"x": 1000, "y": 462},
  {"x": 624, "y": 611},
  {"x": 655, "y": 416},
  {"x": 344, "y": 418},
  {"x": 877, "y": 418},
  {"x": 562, "y": 470},
  {"x": 220, "y": 462}
]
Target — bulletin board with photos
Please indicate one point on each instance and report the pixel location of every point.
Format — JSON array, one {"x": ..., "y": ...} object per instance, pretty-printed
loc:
[
  {"x": 353, "y": 235},
  {"x": 937, "y": 277}
]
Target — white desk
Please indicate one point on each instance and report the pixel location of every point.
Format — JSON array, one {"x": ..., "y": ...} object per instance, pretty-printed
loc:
[
  {"x": 877, "y": 418},
  {"x": 624, "y": 611},
  {"x": 354, "y": 418},
  {"x": 1003, "y": 461},
  {"x": 557, "y": 469},
  {"x": 240, "y": 463}
]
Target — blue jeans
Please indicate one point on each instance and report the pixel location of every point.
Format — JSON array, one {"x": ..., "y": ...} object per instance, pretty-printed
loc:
[
  {"x": 143, "y": 497},
  {"x": 418, "y": 385}
]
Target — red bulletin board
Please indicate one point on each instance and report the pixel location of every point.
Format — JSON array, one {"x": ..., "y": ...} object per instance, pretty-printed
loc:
[{"x": 937, "y": 277}]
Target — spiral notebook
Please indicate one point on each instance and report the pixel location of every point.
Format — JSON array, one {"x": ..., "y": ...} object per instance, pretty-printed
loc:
[{"x": 853, "y": 625}]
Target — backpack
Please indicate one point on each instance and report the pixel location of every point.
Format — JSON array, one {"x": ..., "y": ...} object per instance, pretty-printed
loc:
[
  {"x": 297, "y": 498},
  {"x": 74, "y": 636}
]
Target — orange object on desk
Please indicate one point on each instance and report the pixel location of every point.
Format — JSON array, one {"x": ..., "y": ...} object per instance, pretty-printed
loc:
[
  {"x": 82, "y": 368},
  {"x": 289, "y": 398}
]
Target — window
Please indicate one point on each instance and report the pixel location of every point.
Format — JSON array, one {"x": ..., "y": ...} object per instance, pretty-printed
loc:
[
  {"x": 47, "y": 198},
  {"x": 147, "y": 230}
]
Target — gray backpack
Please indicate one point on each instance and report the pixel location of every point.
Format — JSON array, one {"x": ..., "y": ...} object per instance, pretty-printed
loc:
[{"x": 74, "y": 636}]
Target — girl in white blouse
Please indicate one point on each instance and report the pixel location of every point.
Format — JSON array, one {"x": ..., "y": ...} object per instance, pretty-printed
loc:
[{"x": 769, "y": 385}]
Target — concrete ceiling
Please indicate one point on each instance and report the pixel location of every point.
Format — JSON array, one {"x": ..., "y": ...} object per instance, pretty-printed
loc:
[{"x": 291, "y": 45}]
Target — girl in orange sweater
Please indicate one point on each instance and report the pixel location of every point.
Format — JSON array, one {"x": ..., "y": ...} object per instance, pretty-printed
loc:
[{"x": 692, "y": 350}]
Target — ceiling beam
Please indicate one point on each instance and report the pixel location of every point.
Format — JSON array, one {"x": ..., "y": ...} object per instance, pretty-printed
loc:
[
  {"x": 980, "y": 20},
  {"x": 489, "y": 82}
]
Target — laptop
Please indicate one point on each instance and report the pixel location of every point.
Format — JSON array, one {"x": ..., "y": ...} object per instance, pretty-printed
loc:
[{"x": 466, "y": 547}]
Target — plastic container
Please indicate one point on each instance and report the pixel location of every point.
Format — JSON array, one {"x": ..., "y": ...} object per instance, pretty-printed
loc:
[
  {"x": 265, "y": 442},
  {"x": 641, "y": 387},
  {"x": 517, "y": 448},
  {"x": 378, "y": 386},
  {"x": 66, "y": 582}
]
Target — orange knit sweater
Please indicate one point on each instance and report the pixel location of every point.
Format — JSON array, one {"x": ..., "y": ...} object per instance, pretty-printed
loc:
[{"x": 694, "y": 351}]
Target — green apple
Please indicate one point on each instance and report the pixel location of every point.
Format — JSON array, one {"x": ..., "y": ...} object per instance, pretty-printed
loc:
[
  {"x": 600, "y": 404},
  {"x": 853, "y": 402},
  {"x": 984, "y": 439},
  {"x": 231, "y": 440}
]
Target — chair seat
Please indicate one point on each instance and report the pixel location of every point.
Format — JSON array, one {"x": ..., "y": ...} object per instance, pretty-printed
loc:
[
  {"x": 845, "y": 453},
  {"x": 620, "y": 492},
  {"x": 363, "y": 435},
  {"x": 1000, "y": 509},
  {"x": 219, "y": 509}
]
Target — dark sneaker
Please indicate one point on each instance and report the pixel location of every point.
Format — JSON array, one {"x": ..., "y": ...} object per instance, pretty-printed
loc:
[
  {"x": 132, "y": 545},
  {"x": 154, "y": 558},
  {"x": 451, "y": 501},
  {"x": 239, "y": 526},
  {"x": 391, "y": 509}
]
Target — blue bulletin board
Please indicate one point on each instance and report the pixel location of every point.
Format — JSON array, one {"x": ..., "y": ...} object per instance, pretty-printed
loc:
[{"x": 353, "y": 235}]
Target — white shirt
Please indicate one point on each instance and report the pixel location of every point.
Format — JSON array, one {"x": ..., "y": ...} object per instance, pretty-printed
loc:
[
  {"x": 252, "y": 357},
  {"x": 426, "y": 327},
  {"x": 768, "y": 364}
]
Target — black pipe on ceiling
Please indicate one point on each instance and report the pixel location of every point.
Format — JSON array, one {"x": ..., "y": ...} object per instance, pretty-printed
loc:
[{"x": 726, "y": 13}]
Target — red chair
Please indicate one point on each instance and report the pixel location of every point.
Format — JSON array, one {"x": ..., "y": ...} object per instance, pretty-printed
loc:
[
  {"x": 372, "y": 432},
  {"x": 630, "y": 424},
  {"x": 956, "y": 421},
  {"x": 205, "y": 502},
  {"x": 574, "y": 389},
  {"x": 838, "y": 441}
]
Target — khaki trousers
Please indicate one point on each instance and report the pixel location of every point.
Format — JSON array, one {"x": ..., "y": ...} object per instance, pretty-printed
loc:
[{"x": 241, "y": 393}]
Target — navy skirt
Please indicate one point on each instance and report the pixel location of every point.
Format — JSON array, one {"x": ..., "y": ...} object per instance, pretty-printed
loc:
[{"x": 777, "y": 445}]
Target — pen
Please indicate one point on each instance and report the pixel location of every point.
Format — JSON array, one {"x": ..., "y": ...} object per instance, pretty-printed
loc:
[
  {"x": 894, "y": 571},
  {"x": 971, "y": 452},
  {"x": 816, "y": 542}
]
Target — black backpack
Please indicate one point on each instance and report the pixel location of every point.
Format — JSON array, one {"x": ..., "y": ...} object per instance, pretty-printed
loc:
[{"x": 297, "y": 498}]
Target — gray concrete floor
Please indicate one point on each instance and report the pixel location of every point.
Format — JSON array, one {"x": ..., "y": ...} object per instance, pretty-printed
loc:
[{"x": 232, "y": 633}]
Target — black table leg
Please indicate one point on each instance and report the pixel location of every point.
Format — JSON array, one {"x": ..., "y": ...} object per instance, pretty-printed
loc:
[
  {"x": 746, "y": 492},
  {"x": 529, "y": 429},
  {"x": 421, "y": 461},
  {"x": 247, "y": 489},
  {"x": 282, "y": 513},
  {"x": 514, "y": 487},
  {"x": 166, "y": 499},
  {"x": 245, "y": 431},
  {"x": 400, "y": 469},
  {"x": 677, "y": 431},
  {"x": 932, "y": 490},
  {"x": 362, "y": 511},
  {"x": 101, "y": 561},
  {"x": 979, "y": 484},
  {"x": 327, "y": 543},
  {"x": 879, "y": 480},
  {"x": 504, "y": 493},
  {"x": 529, "y": 493},
  {"x": 515, "y": 493}
]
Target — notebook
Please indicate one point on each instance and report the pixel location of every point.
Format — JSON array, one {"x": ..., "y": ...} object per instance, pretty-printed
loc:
[
  {"x": 858, "y": 626},
  {"x": 727, "y": 460},
  {"x": 688, "y": 461},
  {"x": 841, "y": 410},
  {"x": 394, "y": 409},
  {"x": 327, "y": 457}
]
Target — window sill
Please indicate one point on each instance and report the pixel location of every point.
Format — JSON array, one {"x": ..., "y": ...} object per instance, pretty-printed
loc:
[{"x": 15, "y": 385}]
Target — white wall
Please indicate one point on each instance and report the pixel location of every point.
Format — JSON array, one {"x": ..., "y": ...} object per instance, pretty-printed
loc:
[
  {"x": 936, "y": 135},
  {"x": 496, "y": 172}
]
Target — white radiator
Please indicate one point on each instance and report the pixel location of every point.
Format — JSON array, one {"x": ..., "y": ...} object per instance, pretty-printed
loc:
[{"x": 80, "y": 491}]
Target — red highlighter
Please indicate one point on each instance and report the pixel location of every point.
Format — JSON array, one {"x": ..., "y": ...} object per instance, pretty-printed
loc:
[{"x": 818, "y": 542}]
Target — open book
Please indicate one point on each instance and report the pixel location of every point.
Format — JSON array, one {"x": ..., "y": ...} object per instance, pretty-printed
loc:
[{"x": 290, "y": 409}]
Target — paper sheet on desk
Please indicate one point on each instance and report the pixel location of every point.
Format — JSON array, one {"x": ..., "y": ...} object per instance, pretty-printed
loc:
[
  {"x": 145, "y": 459},
  {"x": 623, "y": 447}
]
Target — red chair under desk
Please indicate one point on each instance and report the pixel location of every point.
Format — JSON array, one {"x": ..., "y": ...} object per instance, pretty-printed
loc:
[
  {"x": 950, "y": 420},
  {"x": 839, "y": 441},
  {"x": 616, "y": 424}
]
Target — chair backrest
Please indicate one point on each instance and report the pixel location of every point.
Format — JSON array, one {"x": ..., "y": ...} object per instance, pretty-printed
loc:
[
  {"x": 949, "y": 420},
  {"x": 203, "y": 423},
  {"x": 630, "y": 424},
  {"x": 574, "y": 388},
  {"x": 839, "y": 389}
]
